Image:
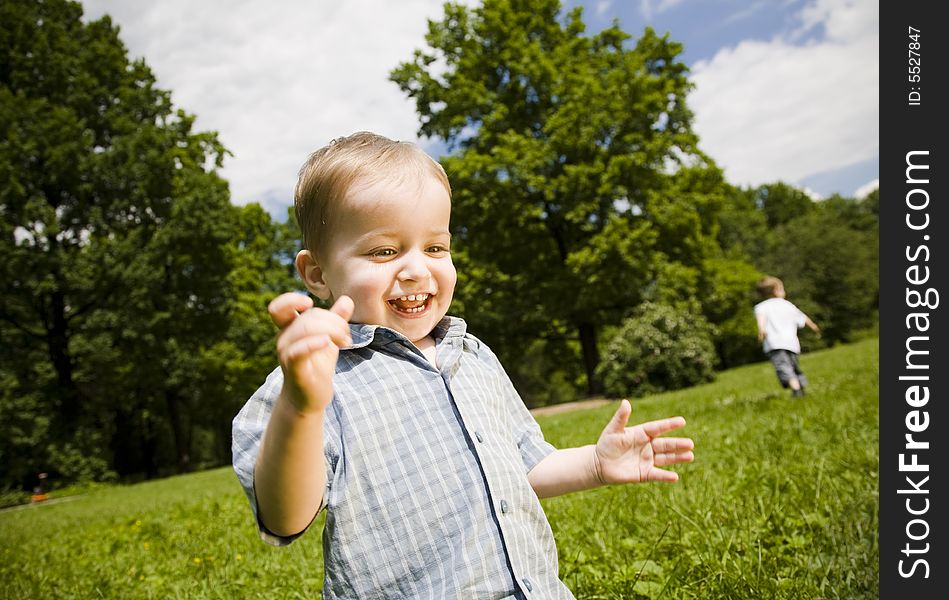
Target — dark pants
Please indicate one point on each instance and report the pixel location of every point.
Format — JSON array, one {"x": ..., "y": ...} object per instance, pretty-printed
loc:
[{"x": 786, "y": 367}]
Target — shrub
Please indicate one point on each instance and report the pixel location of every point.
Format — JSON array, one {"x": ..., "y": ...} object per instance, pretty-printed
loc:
[
  {"x": 659, "y": 348},
  {"x": 13, "y": 497}
]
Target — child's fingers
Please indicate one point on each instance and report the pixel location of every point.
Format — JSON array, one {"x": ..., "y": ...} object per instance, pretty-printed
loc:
[
  {"x": 315, "y": 323},
  {"x": 320, "y": 322},
  {"x": 664, "y": 444},
  {"x": 344, "y": 307},
  {"x": 672, "y": 451},
  {"x": 657, "y": 428},
  {"x": 665, "y": 459},
  {"x": 285, "y": 308},
  {"x": 303, "y": 347},
  {"x": 620, "y": 418},
  {"x": 661, "y": 475}
]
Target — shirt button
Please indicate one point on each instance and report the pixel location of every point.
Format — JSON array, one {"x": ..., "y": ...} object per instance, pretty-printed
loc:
[
  {"x": 504, "y": 506},
  {"x": 478, "y": 435},
  {"x": 528, "y": 585}
]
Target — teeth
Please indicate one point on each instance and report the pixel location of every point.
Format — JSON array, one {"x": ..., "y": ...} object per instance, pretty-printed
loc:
[
  {"x": 414, "y": 297},
  {"x": 417, "y": 309}
]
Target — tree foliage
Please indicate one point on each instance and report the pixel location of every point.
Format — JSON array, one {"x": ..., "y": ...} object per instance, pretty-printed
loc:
[
  {"x": 780, "y": 202},
  {"x": 727, "y": 297},
  {"x": 829, "y": 261},
  {"x": 576, "y": 172},
  {"x": 122, "y": 255},
  {"x": 826, "y": 252},
  {"x": 661, "y": 347},
  {"x": 133, "y": 319}
]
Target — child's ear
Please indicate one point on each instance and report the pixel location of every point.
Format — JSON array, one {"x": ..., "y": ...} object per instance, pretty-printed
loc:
[{"x": 312, "y": 274}]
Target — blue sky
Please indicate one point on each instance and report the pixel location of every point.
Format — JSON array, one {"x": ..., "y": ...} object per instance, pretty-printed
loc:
[
  {"x": 704, "y": 27},
  {"x": 823, "y": 43},
  {"x": 785, "y": 89}
]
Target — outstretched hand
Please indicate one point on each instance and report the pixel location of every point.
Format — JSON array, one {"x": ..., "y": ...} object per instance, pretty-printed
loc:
[{"x": 636, "y": 454}]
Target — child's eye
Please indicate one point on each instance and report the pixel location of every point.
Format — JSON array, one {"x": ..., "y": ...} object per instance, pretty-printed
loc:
[
  {"x": 382, "y": 252},
  {"x": 437, "y": 249}
]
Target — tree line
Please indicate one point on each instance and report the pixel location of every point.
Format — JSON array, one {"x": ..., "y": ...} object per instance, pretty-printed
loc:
[
  {"x": 133, "y": 318},
  {"x": 585, "y": 208}
]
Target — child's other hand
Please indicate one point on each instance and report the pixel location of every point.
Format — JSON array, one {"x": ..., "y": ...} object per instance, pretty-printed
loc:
[
  {"x": 634, "y": 454},
  {"x": 308, "y": 346}
]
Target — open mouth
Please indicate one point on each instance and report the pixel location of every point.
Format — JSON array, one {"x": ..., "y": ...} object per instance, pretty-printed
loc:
[{"x": 411, "y": 304}]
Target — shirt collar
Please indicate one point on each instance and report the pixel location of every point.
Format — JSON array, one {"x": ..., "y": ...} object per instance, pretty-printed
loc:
[{"x": 365, "y": 335}]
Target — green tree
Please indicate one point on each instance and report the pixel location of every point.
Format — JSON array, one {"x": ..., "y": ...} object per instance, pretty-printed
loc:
[
  {"x": 262, "y": 257},
  {"x": 576, "y": 171},
  {"x": 727, "y": 301},
  {"x": 829, "y": 260},
  {"x": 181, "y": 305},
  {"x": 121, "y": 255},
  {"x": 743, "y": 227},
  {"x": 871, "y": 204},
  {"x": 825, "y": 251},
  {"x": 781, "y": 203},
  {"x": 660, "y": 347}
]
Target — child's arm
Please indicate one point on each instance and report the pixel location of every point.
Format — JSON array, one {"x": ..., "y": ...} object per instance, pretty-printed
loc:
[
  {"x": 290, "y": 474},
  {"x": 622, "y": 455},
  {"x": 762, "y": 323},
  {"x": 812, "y": 325}
]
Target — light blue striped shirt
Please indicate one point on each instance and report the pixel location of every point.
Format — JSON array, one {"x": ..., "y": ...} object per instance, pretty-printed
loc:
[{"x": 427, "y": 492}]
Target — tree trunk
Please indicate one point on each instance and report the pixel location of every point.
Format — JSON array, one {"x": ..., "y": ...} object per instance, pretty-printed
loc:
[
  {"x": 150, "y": 449},
  {"x": 181, "y": 429},
  {"x": 224, "y": 442},
  {"x": 591, "y": 357},
  {"x": 57, "y": 343}
]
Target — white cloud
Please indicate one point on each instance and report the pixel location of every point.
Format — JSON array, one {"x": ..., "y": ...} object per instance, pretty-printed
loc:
[
  {"x": 278, "y": 80},
  {"x": 864, "y": 190},
  {"x": 746, "y": 11},
  {"x": 784, "y": 110},
  {"x": 816, "y": 197},
  {"x": 648, "y": 8}
]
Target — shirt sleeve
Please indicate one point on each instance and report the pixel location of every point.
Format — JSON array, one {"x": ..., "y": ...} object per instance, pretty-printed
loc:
[
  {"x": 799, "y": 316},
  {"x": 247, "y": 430},
  {"x": 527, "y": 433},
  {"x": 530, "y": 439}
]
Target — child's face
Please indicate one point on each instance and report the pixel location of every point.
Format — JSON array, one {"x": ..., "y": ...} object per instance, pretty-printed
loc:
[{"x": 390, "y": 242}]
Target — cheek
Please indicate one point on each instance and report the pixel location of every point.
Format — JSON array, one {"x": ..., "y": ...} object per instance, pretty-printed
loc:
[
  {"x": 447, "y": 277},
  {"x": 366, "y": 287}
]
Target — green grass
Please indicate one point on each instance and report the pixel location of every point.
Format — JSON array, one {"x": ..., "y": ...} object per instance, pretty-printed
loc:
[{"x": 781, "y": 502}]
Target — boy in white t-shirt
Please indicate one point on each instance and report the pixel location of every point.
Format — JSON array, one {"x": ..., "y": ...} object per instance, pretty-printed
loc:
[{"x": 778, "y": 322}]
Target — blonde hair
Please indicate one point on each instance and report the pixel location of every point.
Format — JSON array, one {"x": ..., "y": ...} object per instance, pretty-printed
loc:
[
  {"x": 329, "y": 173},
  {"x": 768, "y": 286}
]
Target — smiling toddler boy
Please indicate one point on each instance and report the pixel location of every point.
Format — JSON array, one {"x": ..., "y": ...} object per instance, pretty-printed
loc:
[{"x": 395, "y": 419}]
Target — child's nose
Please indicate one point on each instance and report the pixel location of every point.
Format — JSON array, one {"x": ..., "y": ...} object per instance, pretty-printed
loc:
[{"x": 414, "y": 267}]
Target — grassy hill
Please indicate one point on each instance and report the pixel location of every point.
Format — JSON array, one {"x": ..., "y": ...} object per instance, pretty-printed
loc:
[{"x": 781, "y": 502}]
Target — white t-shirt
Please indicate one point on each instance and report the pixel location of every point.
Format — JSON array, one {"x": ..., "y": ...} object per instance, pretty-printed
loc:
[{"x": 781, "y": 322}]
